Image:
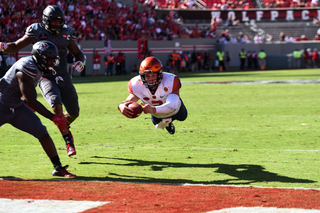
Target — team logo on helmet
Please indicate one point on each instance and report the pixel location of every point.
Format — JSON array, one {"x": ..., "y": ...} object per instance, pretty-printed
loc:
[
  {"x": 43, "y": 47},
  {"x": 45, "y": 54}
]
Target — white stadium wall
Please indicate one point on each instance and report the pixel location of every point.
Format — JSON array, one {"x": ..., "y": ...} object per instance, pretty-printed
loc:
[{"x": 277, "y": 53}]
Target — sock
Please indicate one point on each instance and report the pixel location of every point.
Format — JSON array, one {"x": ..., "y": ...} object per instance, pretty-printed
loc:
[
  {"x": 68, "y": 138},
  {"x": 56, "y": 161}
]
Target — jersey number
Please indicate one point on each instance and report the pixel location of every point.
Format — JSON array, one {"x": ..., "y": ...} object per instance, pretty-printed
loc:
[{"x": 156, "y": 103}]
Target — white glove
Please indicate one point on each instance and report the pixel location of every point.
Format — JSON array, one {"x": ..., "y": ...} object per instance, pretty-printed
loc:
[
  {"x": 3, "y": 46},
  {"x": 165, "y": 122},
  {"x": 78, "y": 66}
]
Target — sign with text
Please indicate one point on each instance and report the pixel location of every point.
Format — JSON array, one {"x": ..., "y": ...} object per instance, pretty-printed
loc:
[{"x": 257, "y": 15}]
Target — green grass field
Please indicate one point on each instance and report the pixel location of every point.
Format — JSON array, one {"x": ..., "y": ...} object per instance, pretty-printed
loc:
[{"x": 237, "y": 134}]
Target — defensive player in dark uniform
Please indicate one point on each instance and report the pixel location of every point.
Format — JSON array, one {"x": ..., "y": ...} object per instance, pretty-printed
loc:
[
  {"x": 18, "y": 85},
  {"x": 56, "y": 87}
]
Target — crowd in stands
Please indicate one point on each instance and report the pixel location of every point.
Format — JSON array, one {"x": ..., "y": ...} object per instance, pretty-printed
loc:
[
  {"x": 290, "y": 3},
  {"x": 228, "y": 4},
  {"x": 209, "y": 4},
  {"x": 98, "y": 19},
  {"x": 93, "y": 20},
  {"x": 289, "y": 38}
]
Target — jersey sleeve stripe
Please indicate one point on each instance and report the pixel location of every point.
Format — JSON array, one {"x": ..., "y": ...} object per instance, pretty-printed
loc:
[
  {"x": 30, "y": 71},
  {"x": 176, "y": 84}
]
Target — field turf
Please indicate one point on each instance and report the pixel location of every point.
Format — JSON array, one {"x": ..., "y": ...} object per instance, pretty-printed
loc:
[{"x": 258, "y": 128}]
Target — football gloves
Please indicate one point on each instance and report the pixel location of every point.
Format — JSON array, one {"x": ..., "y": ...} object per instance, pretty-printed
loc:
[
  {"x": 61, "y": 122},
  {"x": 78, "y": 66},
  {"x": 3, "y": 46}
]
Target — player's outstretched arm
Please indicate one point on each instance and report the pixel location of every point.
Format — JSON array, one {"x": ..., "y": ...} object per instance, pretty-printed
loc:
[
  {"x": 123, "y": 106},
  {"x": 15, "y": 46},
  {"x": 78, "y": 55},
  {"x": 172, "y": 104},
  {"x": 29, "y": 93}
]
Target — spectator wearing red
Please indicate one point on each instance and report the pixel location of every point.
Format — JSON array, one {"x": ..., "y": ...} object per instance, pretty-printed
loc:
[
  {"x": 297, "y": 38},
  {"x": 199, "y": 61},
  {"x": 304, "y": 38},
  {"x": 307, "y": 58},
  {"x": 119, "y": 63},
  {"x": 315, "y": 58},
  {"x": 135, "y": 7},
  {"x": 316, "y": 37},
  {"x": 96, "y": 62}
]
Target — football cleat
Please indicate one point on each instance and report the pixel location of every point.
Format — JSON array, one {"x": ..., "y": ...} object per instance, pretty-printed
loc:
[
  {"x": 62, "y": 172},
  {"x": 71, "y": 149},
  {"x": 170, "y": 128}
]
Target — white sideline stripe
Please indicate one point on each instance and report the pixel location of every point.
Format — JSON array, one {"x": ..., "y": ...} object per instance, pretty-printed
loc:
[
  {"x": 208, "y": 148},
  {"x": 264, "y": 210},
  {"x": 298, "y": 81},
  {"x": 45, "y": 206},
  {"x": 237, "y": 129}
]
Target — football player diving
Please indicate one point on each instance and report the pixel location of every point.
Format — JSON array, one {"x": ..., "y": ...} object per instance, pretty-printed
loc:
[
  {"x": 17, "y": 92},
  {"x": 159, "y": 93},
  {"x": 56, "y": 87}
]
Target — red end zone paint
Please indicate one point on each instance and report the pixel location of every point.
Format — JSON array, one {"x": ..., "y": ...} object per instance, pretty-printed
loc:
[{"x": 136, "y": 197}]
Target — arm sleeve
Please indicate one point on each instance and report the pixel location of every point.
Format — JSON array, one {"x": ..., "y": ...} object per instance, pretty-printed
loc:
[{"x": 172, "y": 104}]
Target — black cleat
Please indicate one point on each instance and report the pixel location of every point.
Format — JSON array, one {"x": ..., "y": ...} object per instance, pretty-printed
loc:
[{"x": 170, "y": 128}]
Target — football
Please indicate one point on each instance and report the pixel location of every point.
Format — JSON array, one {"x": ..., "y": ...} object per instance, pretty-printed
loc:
[{"x": 137, "y": 109}]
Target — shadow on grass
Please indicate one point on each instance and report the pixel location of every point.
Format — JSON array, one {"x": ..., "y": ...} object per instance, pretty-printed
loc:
[{"x": 240, "y": 174}]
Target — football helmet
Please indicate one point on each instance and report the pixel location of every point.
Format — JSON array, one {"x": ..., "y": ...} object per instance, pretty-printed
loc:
[
  {"x": 151, "y": 65},
  {"x": 51, "y": 13},
  {"x": 45, "y": 54}
]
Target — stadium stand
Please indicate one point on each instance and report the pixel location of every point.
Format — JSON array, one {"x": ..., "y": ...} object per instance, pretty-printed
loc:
[
  {"x": 135, "y": 19},
  {"x": 288, "y": 3},
  {"x": 305, "y": 29},
  {"x": 206, "y": 4}
]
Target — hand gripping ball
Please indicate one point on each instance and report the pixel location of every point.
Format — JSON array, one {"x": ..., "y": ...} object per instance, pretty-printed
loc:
[{"x": 137, "y": 109}]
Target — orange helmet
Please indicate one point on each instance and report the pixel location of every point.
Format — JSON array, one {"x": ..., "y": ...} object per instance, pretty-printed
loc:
[{"x": 151, "y": 65}]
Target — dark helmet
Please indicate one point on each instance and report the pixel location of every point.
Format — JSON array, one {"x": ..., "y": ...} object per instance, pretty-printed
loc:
[
  {"x": 45, "y": 54},
  {"x": 151, "y": 65},
  {"x": 53, "y": 12}
]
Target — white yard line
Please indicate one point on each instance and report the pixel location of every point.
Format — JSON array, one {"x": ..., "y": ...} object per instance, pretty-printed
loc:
[
  {"x": 45, "y": 206},
  {"x": 297, "y": 81}
]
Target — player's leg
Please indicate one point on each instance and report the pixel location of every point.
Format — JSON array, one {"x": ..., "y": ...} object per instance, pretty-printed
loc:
[
  {"x": 50, "y": 89},
  {"x": 4, "y": 114},
  {"x": 70, "y": 102},
  {"x": 25, "y": 120},
  {"x": 180, "y": 116}
]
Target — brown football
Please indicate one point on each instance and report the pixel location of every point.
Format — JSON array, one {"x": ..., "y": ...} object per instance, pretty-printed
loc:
[{"x": 137, "y": 109}]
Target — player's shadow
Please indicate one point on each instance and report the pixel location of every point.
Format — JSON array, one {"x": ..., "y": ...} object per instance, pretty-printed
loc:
[{"x": 239, "y": 174}]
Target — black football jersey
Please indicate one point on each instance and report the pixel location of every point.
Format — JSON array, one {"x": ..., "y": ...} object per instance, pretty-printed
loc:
[
  {"x": 67, "y": 34},
  {"x": 10, "y": 94}
]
